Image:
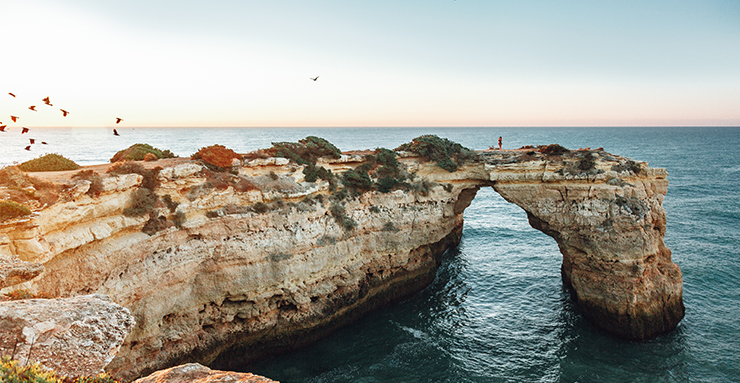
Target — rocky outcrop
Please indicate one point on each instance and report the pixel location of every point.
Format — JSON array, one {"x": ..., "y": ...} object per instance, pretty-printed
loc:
[
  {"x": 237, "y": 266},
  {"x": 74, "y": 336},
  {"x": 196, "y": 373},
  {"x": 13, "y": 271}
]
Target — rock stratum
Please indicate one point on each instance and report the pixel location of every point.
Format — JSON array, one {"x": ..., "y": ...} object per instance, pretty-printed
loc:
[{"x": 236, "y": 266}]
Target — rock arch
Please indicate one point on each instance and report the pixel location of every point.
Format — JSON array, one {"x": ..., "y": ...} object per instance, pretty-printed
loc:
[{"x": 609, "y": 224}]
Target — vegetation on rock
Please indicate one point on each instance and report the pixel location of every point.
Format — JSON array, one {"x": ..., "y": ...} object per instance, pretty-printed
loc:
[
  {"x": 447, "y": 154},
  {"x": 27, "y": 190},
  {"x": 143, "y": 202},
  {"x": 48, "y": 163},
  {"x": 305, "y": 151},
  {"x": 138, "y": 152},
  {"x": 128, "y": 167},
  {"x": 96, "y": 182},
  {"x": 216, "y": 157},
  {"x": 552, "y": 149},
  {"x": 340, "y": 216},
  {"x": 12, "y": 209},
  {"x": 12, "y": 371}
]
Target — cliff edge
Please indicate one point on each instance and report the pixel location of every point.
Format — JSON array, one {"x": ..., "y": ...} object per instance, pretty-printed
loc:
[{"x": 223, "y": 267}]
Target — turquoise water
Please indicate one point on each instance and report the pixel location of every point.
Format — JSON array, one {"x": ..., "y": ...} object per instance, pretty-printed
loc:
[{"x": 497, "y": 311}]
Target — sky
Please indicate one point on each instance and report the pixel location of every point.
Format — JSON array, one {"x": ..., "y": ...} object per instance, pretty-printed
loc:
[{"x": 245, "y": 63}]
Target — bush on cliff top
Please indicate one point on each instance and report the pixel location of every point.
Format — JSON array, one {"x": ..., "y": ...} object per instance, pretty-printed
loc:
[
  {"x": 447, "y": 154},
  {"x": 48, "y": 163},
  {"x": 137, "y": 152},
  {"x": 11, "y": 209},
  {"x": 13, "y": 371},
  {"x": 217, "y": 157},
  {"x": 552, "y": 149},
  {"x": 306, "y": 151}
]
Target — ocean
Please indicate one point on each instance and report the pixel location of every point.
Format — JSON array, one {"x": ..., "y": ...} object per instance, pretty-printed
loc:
[{"x": 497, "y": 310}]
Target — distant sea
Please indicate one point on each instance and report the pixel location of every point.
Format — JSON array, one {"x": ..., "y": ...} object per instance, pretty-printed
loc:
[{"x": 498, "y": 311}]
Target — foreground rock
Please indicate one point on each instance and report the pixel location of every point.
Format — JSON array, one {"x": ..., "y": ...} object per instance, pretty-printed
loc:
[
  {"x": 196, "y": 373},
  {"x": 236, "y": 267},
  {"x": 74, "y": 336}
]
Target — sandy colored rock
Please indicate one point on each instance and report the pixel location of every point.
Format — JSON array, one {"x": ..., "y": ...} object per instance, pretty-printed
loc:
[
  {"x": 73, "y": 336},
  {"x": 13, "y": 271},
  {"x": 261, "y": 265},
  {"x": 196, "y": 373}
]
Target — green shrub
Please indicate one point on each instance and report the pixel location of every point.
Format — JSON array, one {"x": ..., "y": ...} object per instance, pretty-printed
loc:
[
  {"x": 340, "y": 216},
  {"x": 313, "y": 172},
  {"x": 357, "y": 180},
  {"x": 137, "y": 152},
  {"x": 447, "y": 154},
  {"x": 48, "y": 163},
  {"x": 96, "y": 182},
  {"x": 143, "y": 202},
  {"x": 552, "y": 149},
  {"x": 306, "y": 151},
  {"x": 11, "y": 209},
  {"x": 587, "y": 162}
]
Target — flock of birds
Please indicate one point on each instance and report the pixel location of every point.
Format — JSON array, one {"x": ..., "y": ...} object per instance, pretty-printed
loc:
[
  {"x": 47, "y": 101},
  {"x": 25, "y": 130}
]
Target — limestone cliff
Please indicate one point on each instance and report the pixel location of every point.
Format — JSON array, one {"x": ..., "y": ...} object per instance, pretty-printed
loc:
[{"x": 234, "y": 266}]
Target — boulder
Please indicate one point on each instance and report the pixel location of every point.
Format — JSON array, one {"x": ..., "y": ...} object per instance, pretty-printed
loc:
[
  {"x": 73, "y": 336},
  {"x": 196, "y": 373}
]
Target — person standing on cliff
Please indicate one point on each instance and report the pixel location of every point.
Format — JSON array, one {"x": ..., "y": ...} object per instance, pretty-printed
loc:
[{"x": 499, "y": 143}]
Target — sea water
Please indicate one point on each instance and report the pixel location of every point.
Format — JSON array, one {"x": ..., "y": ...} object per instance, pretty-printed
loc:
[{"x": 497, "y": 310}]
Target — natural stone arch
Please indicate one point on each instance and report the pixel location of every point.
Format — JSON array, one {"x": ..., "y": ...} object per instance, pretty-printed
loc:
[{"x": 609, "y": 227}]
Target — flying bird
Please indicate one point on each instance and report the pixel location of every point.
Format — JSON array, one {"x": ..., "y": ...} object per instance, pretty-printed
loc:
[
  {"x": 33, "y": 107},
  {"x": 115, "y": 133},
  {"x": 32, "y": 140},
  {"x": 46, "y": 101},
  {"x": 24, "y": 130},
  {"x": 14, "y": 118},
  {"x": 44, "y": 142},
  {"x": 28, "y": 147},
  {"x": 314, "y": 78},
  {"x": 11, "y": 94},
  {"x": 2, "y": 128},
  {"x": 118, "y": 119},
  {"x": 64, "y": 113}
]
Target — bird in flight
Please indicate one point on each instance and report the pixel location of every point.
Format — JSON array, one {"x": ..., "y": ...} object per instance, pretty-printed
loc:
[
  {"x": 11, "y": 94},
  {"x": 64, "y": 113},
  {"x": 33, "y": 107},
  {"x": 28, "y": 147},
  {"x": 24, "y": 130},
  {"x": 2, "y": 128},
  {"x": 46, "y": 101},
  {"x": 115, "y": 133},
  {"x": 14, "y": 118},
  {"x": 314, "y": 78},
  {"x": 44, "y": 142},
  {"x": 118, "y": 119},
  {"x": 32, "y": 140}
]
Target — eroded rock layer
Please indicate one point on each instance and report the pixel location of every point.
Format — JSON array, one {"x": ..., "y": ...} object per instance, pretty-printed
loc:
[{"x": 234, "y": 266}]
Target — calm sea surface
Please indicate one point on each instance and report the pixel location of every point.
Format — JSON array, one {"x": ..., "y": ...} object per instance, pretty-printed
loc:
[{"x": 497, "y": 311}]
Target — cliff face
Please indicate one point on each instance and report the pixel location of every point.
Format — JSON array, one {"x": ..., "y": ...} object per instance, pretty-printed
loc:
[{"x": 264, "y": 260}]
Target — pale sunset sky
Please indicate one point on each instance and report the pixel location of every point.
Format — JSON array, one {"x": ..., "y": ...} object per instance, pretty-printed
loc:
[{"x": 244, "y": 63}]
